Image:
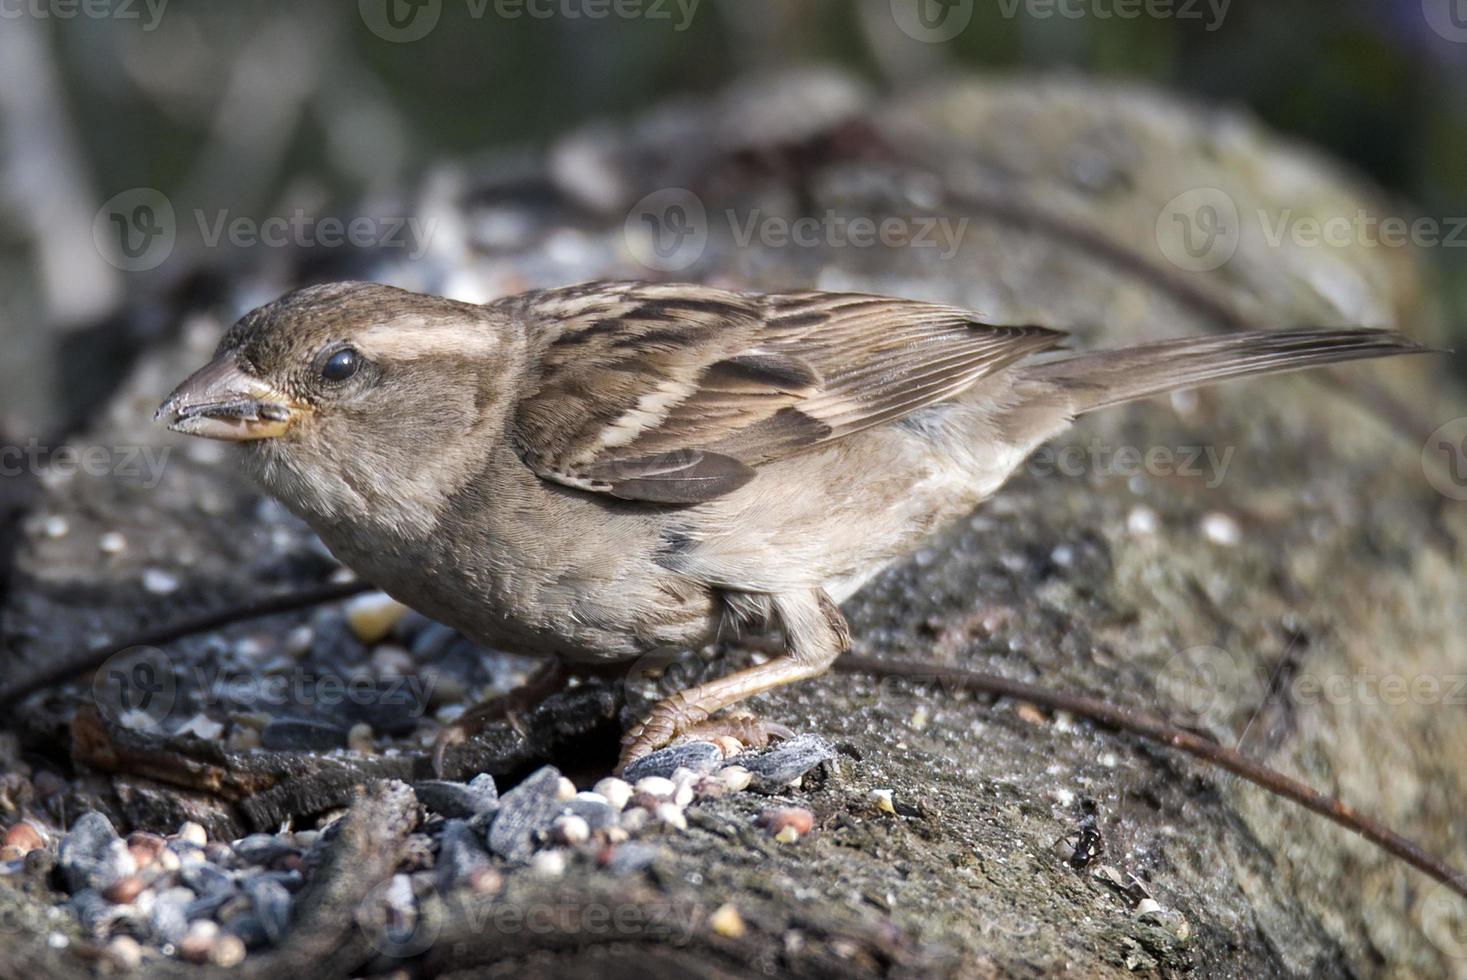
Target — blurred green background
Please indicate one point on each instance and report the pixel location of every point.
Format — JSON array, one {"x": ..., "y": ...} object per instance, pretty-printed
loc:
[{"x": 260, "y": 101}]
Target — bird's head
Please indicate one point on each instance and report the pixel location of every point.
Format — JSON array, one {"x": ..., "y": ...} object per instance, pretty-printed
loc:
[{"x": 353, "y": 399}]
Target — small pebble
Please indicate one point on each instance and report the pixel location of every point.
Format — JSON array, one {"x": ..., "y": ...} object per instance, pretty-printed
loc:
[
  {"x": 476, "y": 798},
  {"x": 548, "y": 864},
  {"x": 125, "y": 952},
  {"x": 271, "y": 902},
  {"x": 243, "y": 738},
  {"x": 787, "y": 835},
  {"x": 524, "y": 811},
  {"x": 795, "y": 818},
  {"x": 671, "y": 815},
  {"x": 196, "y": 943},
  {"x": 372, "y": 615},
  {"x": 192, "y": 833},
  {"x": 735, "y": 778},
  {"x": 565, "y": 790},
  {"x": 298, "y": 641},
  {"x": 361, "y": 740},
  {"x": 91, "y": 855},
  {"x": 112, "y": 543},
  {"x": 203, "y": 727},
  {"x": 615, "y": 791},
  {"x": 24, "y": 837},
  {"x": 124, "y": 891},
  {"x": 658, "y": 786},
  {"x": 262, "y": 849},
  {"x": 1142, "y": 521},
  {"x": 55, "y": 526},
  {"x": 1221, "y": 529},
  {"x": 461, "y": 855},
  {"x": 570, "y": 830},
  {"x": 1030, "y": 713},
  {"x": 883, "y": 800},
  {"x": 227, "y": 951},
  {"x": 169, "y": 916},
  {"x": 159, "y": 582},
  {"x": 726, "y": 922},
  {"x": 392, "y": 661}
]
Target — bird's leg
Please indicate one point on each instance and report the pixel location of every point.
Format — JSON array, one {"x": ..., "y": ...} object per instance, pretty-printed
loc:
[
  {"x": 815, "y": 633},
  {"x": 509, "y": 706}
]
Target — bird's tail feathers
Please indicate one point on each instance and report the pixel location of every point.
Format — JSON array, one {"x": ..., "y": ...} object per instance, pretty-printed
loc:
[{"x": 1100, "y": 379}]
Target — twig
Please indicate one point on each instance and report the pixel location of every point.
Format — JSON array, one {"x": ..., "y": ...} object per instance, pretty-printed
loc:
[
  {"x": 189, "y": 627},
  {"x": 1155, "y": 729}
]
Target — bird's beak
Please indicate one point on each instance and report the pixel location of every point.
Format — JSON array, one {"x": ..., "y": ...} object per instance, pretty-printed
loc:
[{"x": 223, "y": 401}]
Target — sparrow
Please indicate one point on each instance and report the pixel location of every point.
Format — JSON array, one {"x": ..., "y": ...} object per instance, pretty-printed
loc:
[{"x": 603, "y": 471}]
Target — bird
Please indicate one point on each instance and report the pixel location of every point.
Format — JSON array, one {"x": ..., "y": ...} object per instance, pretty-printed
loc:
[{"x": 593, "y": 473}]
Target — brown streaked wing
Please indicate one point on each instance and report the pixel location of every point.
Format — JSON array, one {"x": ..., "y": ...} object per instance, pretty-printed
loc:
[{"x": 675, "y": 393}]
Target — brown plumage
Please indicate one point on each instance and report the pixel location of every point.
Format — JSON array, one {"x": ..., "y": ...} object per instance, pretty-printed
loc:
[{"x": 602, "y": 471}]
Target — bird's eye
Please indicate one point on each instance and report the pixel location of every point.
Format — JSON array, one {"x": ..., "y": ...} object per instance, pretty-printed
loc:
[{"x": 341, "y": 365}]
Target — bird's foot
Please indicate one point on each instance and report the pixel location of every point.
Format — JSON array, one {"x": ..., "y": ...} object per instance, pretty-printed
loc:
[
  {"x": 675, "y": 722},
  {"x": 509, "y": 707}
]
